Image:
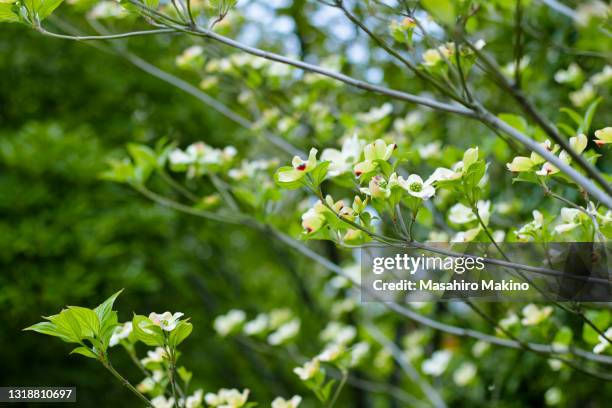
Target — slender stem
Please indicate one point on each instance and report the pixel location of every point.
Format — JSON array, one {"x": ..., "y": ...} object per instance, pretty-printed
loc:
[
  {"x": 41, "y": 30},
  {"x": 339, "y": 388},
  {"x": 126, "y": 383}
]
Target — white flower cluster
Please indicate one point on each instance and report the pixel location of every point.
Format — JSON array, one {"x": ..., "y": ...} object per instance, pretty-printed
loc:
[
  {"x": 279, "y": 325},
  {"x": 193, "y": 401},
  {"x": 227, "y": 398},
  {"x": 199, "y": 159}
]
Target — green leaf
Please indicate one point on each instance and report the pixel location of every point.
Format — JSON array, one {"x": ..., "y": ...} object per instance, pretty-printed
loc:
[
  {"x": 142, "y": 155},
  {"x": 575, "y": 116},
  {"x": 385, "y": 167},
  {"x": 588, "y": 115},
  {"x": 84, "y": 351},
  {"x": 145, "y": 331},
  {"x": 318, "y": 173},
  {"x": 568, "y": 130},
  {"x": 9, "y": 13},
  {"x": 104, "y": 309},
  {"x": 49, "y": 329},
  {"x": 89, "y": 323},
  {"x": 121, "y": 171},
  {"x": 184, "y": 374},
  {"x": 180, "y": 333},
  {"x": 107, "y": 329},
  {"x": 292, "y": 185},
  {"x": 442, "y": 10},
  {"x": 41, "y": 9}
]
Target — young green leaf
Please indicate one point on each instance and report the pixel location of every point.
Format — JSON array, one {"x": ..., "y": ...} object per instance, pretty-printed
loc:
[
  {"x": 180, "y": 333},
  {"x": 84, "y": 351}
]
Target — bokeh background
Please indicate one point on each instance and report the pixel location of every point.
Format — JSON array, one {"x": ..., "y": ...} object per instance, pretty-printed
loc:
[{"x": 69, "y": 238}]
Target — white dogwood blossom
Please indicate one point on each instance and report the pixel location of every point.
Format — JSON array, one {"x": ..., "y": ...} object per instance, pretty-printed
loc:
[
  {"x": 533, "y": 315},
  {"x": 604, "y": 136},
  {"x": 308, "y": 370},
  {"x": 342, "y": 161},
  {"x": 229, "y": 322},
  {"x": 603, "y": 342},
  {"x": 415, "y": 186},
  {"x": 280, "y": 402},
  {"x": 162, "y": 402},
  {"x": 285, "y": 332},
  {"x": 379, "y": 150},
  {"x": 121, "y": 332},
  {"x": 154, "y": 356},
  {"x": 167, "y": 321},
  {"x": 571, "y": 218},
  {"x": 464, "y": 374},
  {"x": 227, "y": 398},
  {"x": 257, "y": 326},
  {"x": 300, "y": 167},
  {"x": 531, "y": 228},
  {"x": 193, "y": 401},
  {"x": 437, "y": 363}
]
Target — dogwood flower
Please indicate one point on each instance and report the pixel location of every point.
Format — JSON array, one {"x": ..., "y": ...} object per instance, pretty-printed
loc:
[
  {"x": 308, "y": 370},
  {"x": 358, "y": 352},
  {"x": 376, "y": 114},
  {"x": 578, "y": 144},
  {"x": 437, "y": 363},
  {"x": 331, "y": 353},
  {"x": 379, "y": 150},
  {"x": 547, "y": 145},
  {"x": 280, "y": 402},
  {"x": 190, "y": 56},
  {"x": 342, "y": 161},
  {"x": 573, "y": 73},
  {"x": 520, "y": 164},
  {"x": 532, "y": 315},
  {"x": 378, "y": 187},
  {"x": 230, "y": 322},
  {"x": 547, "y": 170},
  {"x": 257, "y": 325},
  {"x": 285, "y": 332},
  {"x": 226, "y": 398},
  {"x": 415, "y": 186},
  {"x": 443, "y": 174},
  {"x": 161, "y": 402},
  {"x": 460, "y": 214},
  {"x": 464, "y": 374},
  {"x": 300, "y": 167},
  {"x": 154, "y": 356},
  {"x": 603, "y": 342},
  {"x": 430, "y": 150},
  {"x": 313, "y": 219},
  {"x": 583, "y": 95},
  {"x": 572, "y": 218},
  {"x": 199, "y": 157},
  {"x": 529, "y": 229},
  {"x": 338, "y": 333},
  {"x": 466, "y": 236},
  {"x": 167, "y": 321},
  {"x": 604, "y": 136},
  {"x": 193, "y": 401},
  {"x": 120, "y": 333},
  {"x": 602, "y": 77},
  {"x": 433, "y": 56},
  {"x": 510, "y": 320},
  {"x": 146, "y": 385}
]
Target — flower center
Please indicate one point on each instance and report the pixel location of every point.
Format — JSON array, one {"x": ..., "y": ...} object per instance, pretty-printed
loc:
[{"x": 416, "y": 187}]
